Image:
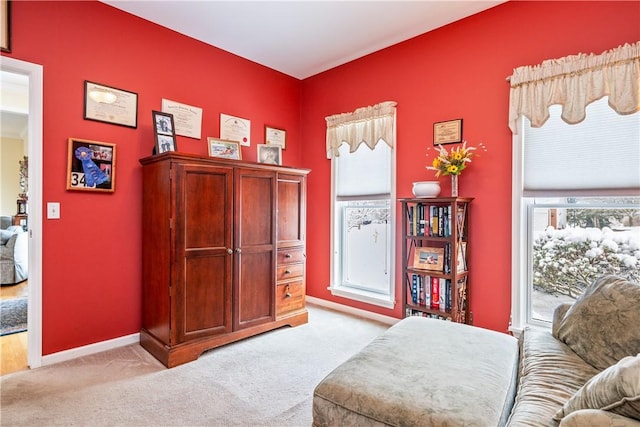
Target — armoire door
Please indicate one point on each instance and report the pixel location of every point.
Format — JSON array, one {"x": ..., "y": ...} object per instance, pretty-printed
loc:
[
  {"x": 291, "y": 210},
  {"x": 255, "y": 247},
  {"x": 203, "y": 268}
]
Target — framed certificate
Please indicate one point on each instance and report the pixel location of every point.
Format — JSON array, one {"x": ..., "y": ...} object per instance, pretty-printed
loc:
[
  {"x": 187, "y": 118},
  {"x": 235, "y": 129},
  {"x": 110, "y": 105},
  {"x": 448, "y": 132},
  {"x": 275, "y": 136}
]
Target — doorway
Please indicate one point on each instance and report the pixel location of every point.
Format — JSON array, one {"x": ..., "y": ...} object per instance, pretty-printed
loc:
[{"x": 34, "y": 73}]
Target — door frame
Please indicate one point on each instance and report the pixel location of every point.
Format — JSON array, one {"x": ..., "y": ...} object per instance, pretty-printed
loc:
[{"x": 34, "y": 150}]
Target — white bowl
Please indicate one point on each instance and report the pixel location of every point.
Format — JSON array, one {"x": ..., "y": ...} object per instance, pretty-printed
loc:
[{"x": 426, "y": 189}]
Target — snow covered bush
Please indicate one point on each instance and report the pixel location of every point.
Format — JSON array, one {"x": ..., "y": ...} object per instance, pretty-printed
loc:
[{"x": 565, "y": 261}]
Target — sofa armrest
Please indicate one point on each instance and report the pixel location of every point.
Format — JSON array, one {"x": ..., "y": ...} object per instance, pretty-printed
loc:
[
  {"x": 597, "y": 418},
  {"x": 558, "y": 315}
]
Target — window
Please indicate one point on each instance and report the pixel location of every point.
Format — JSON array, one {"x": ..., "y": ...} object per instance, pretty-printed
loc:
[
  {"x": 576, "y": 207},
  {"x": 363, "y": 241},
  {"x": 360, "y": 146}
]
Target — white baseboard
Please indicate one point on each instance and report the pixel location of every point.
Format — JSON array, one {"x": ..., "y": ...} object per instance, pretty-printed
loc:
[
  {"x": 86, "y": 350},
  {"x": 98, "y": 347},
  {"x": 353, "y": 311}
]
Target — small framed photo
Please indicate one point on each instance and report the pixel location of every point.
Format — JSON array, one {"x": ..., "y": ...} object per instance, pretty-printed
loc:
[
  {"x": 224, "y": 148},
  {"x": 275, "y": 136},
  {"x": 164, "y": 132},
  {"x": 429, "y": 259},
  {"x": 269, "y": 154},
  {"x": 91, "y": 166},
  {"x": 163, "y": 123},
  {"x": 448, "y": 132}
]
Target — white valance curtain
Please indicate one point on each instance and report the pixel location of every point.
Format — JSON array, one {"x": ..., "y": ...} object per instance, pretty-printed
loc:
[
  {"x": 365, "y": 125},
  {"x": 574, "y": 82}
]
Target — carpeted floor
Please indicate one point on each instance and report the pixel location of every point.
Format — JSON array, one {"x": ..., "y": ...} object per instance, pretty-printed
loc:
[
  {"x": 13, "y": 315},
  {"x": 267, "y": 380}
]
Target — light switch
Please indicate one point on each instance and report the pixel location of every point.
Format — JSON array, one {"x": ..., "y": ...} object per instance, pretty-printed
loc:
[{"x": 53, "y": 210}]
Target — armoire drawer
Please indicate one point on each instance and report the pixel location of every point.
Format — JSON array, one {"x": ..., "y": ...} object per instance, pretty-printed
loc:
[{"x": 290, "y": 297}]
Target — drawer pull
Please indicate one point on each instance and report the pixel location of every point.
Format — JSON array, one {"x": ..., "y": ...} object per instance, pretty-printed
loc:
[
  {"x": 287, "y": 272},
  {"x": 287, "y": 255},
  {"x": 287, "y": 293}
]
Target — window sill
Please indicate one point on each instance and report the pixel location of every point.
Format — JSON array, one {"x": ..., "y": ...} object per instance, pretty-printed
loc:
[{"x": 363, "y": 296}]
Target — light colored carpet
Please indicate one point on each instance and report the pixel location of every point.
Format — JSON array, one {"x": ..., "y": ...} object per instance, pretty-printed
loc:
[{"x": 267, "y": 380}]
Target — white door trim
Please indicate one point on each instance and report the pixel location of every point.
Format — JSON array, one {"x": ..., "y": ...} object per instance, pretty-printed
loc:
[{"x": 34, "y": 319}]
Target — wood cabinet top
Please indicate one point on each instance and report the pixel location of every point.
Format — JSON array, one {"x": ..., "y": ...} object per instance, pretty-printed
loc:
[{"x": 196, "y": 158}]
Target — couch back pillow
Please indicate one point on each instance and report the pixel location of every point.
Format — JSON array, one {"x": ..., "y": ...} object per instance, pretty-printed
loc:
[{"x": 602, "y": 326}]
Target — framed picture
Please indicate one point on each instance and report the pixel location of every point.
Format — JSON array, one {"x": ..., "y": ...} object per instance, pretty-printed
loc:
[
  {"x": 275, "y": 136},
  {"x": 5, "y": 24},
  {"x": 164, "y": 132},
  {"x": 224, "y": 148},
  {"x": 91, "y": 166},
  {"x": 269, "y": 154},
  {"x": 110, "y": 105},
  {"x": 429, "y": 259},
  {"x": 448, "y": 132}
]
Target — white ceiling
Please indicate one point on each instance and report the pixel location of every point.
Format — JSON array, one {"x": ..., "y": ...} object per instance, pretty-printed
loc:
[{"x": 301, "y": 38}]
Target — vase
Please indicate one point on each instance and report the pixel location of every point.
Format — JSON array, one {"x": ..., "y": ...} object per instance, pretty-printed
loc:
[
  {"x": 426, "y": 189},
  {"x": 454, "y": 185}
]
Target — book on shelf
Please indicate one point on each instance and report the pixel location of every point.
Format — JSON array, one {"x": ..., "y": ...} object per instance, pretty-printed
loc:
[{"x": 435, "y": 293}]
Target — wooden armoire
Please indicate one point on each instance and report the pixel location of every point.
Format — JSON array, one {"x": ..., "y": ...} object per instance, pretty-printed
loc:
[{"x": 223, "y": 252}]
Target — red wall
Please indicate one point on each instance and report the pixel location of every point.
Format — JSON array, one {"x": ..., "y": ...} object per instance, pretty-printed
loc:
[
  {"x": 457, "y": 71},
  {"x": 92, "y": 255}
]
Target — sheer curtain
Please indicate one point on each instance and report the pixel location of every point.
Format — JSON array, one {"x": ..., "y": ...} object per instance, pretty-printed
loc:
[
  {"x": 574, "y": 82},
  {"x": 366, "y": 125}
]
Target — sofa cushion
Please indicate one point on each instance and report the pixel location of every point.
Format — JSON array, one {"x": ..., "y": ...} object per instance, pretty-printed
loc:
[
  {"x": 423, "y": 372},
  {"x": 5, "y": 235},
  {"x": 616, "y": 389},
  {"x": 550, "y": 373},
  {"x": 601, "y": 326}
]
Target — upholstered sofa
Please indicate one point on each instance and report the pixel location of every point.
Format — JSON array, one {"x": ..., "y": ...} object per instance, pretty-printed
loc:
[
  {"x": 427, "y": 372},
  {"x": 14, "y": 255}
]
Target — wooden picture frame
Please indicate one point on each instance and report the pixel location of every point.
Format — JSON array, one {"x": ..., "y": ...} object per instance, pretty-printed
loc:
[
  {"x": 224, "y": 148},
  {"x": 275, "y": 136},
  {"x": 5, "y": 25},
  {"x": 447, "y": 132},
  {"x": 428, "y": 258},
  {"x": 164, "y": 132},
  {"x": 110, "y": 105},
  {"x": 91, "y": 166},
  {"x": 269, "y": 154}
]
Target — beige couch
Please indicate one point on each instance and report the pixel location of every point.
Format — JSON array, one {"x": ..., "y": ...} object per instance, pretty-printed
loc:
[{"x": 426, "y": 372}]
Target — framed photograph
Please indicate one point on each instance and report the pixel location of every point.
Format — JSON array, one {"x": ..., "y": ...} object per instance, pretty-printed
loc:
[
  {"x": 269, "y": 154},
  {"x": 110, "y": 105},
  {"x": 235, "y": 129},
  {"x": 224, "y": 148},
  {"x": 448, "y": 132},
  {"x": 91, "y": 166},
  {"x": 275, "y": 136},
  {"x": 164, "y": 132},
  {"x": 5, "y": 25},
  {"x": 429, "y": 259}
]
